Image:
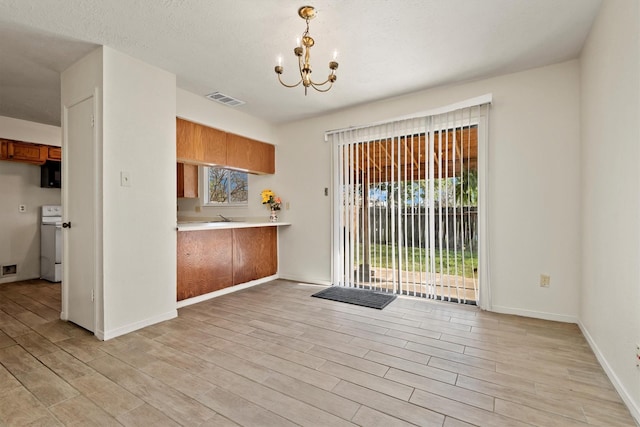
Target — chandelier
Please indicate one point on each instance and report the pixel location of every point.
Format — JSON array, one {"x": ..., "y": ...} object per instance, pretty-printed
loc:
[{"x": 302, "y": 51}]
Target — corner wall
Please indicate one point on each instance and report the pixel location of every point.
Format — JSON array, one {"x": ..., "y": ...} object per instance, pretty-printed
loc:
[
  {"x": 139, "y": 220},
  {"x": 610, "y": 107},
  {"x": 534, "y": 188}
]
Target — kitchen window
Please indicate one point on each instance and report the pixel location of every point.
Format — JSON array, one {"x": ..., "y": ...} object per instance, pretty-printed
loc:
[{"x": 225, "y": 187}]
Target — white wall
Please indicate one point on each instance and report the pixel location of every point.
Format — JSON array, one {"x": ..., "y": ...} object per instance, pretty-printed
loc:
[
  {"x": 610, "y": 297},
  {"x": 199, "y": 109},
  {"x": 139, "y": 110},
  {"x": 23, "y": 130},
  {"x": 533, "y": 186},
  {"x": 20, "y": 185}
]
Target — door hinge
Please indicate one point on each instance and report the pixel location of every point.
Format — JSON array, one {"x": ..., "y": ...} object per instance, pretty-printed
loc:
[
  {"x": 92, "y": 296},
  {"x": 93, "y": 121}
]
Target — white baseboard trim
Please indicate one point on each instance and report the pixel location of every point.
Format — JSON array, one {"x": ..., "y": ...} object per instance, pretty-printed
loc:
[
  {"x": 535, "y": 314},
  {"x": 622, "y": 391},
  {"x": 113, "y": 333},
  {"x": 214, "y": 294},
  {"x": 305, "y": 280}
]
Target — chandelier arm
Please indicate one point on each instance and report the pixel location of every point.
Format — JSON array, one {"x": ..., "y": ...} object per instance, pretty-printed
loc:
[
  {"x": 322, "y": 90},
  {"x": 323, "y": 83},
  {"x": 286, "y": 85}
]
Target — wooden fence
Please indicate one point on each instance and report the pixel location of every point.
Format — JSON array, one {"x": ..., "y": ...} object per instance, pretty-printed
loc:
[{"x": 459, "y": 227}]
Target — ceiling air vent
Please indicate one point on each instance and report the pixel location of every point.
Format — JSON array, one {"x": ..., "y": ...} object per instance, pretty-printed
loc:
[{"x": 224, "y": 99}]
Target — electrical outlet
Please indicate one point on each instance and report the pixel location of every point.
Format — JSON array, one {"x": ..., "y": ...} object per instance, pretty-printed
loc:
[
  {"x": 22, "y": 208},
  {"x": 545, "y": 280},
  {"x": 638, "y": 355},
  {"x": 197, "y": 208},
  {"x": 287, "y": 206}
]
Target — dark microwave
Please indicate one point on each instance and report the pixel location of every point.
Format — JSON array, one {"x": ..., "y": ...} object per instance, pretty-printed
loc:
[{"x": 50, "y": 175}]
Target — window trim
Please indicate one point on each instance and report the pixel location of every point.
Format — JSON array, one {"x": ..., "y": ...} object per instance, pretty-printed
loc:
[{"x": 203, "y": 173}]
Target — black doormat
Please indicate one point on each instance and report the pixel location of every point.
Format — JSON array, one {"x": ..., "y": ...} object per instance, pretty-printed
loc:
[{"x": 356, "y": 296}]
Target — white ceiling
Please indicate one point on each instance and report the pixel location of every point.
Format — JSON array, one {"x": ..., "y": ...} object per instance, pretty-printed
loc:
[{"x": 385, "y": 47}]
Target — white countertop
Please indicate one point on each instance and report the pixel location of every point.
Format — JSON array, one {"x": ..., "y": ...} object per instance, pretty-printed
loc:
[{"x": 195, "y": 224}]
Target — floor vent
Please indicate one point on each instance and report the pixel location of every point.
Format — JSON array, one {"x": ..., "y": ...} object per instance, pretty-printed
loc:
[
  {"x": 9, "y": 270},
  {"x": 224, "y": 99}
]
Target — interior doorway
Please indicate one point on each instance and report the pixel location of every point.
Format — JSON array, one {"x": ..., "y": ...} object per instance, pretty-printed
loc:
[{"x": 79, "y": 213}]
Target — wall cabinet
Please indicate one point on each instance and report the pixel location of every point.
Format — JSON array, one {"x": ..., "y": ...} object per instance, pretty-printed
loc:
[
  {"x": 27, "y": 152},
  {"x": 54, "y": 153},
  {"x": 210, "y": 260},
  {"x": 245, "y": 153},
  {"x": 198, "y": 144},
  {"x": 187, "y": 180},
  {"x": 23, "y": 152}
]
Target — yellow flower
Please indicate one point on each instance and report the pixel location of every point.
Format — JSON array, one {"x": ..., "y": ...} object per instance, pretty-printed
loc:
[
  {"x": 269, "y": 198},
  {"x": 266, "y": 195}
]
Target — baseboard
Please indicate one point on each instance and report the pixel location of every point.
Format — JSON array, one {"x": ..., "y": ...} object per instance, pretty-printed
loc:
[
  {"x": 535, "y": 314},
  {"x": 113, "y": 333},
  {"x": 305, "y": 280},
  {"x": 620, "y": 388},
  {"x": 214, "y": 294}
]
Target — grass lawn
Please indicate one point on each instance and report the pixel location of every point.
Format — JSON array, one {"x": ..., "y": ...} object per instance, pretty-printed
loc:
[{"x": 416, "y": 259}]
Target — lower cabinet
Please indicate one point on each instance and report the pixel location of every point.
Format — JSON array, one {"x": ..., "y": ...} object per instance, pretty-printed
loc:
[
  {"x": 204, "y": 262},
  {"x": 210, "y": 260},
  {"x": 255, "y": 253}
]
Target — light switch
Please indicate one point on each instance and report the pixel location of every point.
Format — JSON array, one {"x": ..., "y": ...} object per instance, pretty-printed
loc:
[{"x": 125, "y": 179}]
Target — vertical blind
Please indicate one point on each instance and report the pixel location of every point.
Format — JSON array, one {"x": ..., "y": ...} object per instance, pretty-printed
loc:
[{"x": 409, "y": 205}]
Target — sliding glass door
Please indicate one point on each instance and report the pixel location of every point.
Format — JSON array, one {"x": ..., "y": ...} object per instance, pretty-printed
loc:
[{"x": 406, "y": 206}]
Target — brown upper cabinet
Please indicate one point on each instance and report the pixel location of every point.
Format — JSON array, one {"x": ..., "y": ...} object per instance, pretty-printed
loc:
[
  {"x": 254, "y": 156},
  {"x": 187, "y": 180},
  {"x": 199, "y": 144},
  {"x": 54, "y": 153},
  {"x": 24, "y": 152}
]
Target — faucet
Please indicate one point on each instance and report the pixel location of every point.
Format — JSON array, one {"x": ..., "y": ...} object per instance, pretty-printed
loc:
[{"x": 224, "y": 218}]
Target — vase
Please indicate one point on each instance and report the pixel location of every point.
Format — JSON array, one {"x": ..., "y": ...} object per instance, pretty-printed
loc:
[{"x": 274, "y": 216}]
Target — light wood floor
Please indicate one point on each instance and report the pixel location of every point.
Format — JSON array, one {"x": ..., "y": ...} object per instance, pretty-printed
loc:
[{"x": 273, "y": 356}]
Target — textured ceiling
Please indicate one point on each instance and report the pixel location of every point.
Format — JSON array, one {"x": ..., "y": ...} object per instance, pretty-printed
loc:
[{"x": 386, "y": 47}]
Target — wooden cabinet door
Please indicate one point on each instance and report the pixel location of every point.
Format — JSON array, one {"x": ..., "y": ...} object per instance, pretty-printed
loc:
[
  {"x": 196, "y": 143},
  {"x": 187, "y": 180},
  {"x": 24, "y": 152},
  {"x": 204, "y": 262},
  {"x": 255, "y": 253},
  {"x": 54, "y": 153},
  {"x": 249, "y": 154}
]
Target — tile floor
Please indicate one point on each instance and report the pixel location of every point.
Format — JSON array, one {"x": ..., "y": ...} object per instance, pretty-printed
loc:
[{"x": 273, "y": 356}]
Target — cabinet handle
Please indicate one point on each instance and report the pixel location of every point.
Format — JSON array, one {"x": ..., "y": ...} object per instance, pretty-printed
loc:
[{"x": 66, "y": 224}]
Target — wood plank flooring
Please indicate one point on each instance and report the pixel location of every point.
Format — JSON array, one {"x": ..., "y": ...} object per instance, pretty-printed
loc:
[{"x": 272, "y": 356}]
